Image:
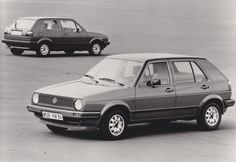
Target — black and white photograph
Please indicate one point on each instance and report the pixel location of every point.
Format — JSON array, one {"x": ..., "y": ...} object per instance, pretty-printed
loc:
[{"x": 117, "y": 81}]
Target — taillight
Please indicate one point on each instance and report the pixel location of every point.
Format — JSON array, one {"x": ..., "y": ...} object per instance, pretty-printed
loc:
[
  {"x": 29, "y": 33},
  {"x": 229, "y": 86},
  {"x": 7, "y": 31}
]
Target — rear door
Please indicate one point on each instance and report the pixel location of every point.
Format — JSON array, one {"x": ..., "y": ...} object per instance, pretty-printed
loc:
[
  {"x": 157, "y": 101},
  {"x": 192, "y": 86},
  {"x": 74, "y": 37}
]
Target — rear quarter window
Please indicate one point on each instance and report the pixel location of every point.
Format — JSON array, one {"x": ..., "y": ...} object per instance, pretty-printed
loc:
[{"x": 211, "y": 70}]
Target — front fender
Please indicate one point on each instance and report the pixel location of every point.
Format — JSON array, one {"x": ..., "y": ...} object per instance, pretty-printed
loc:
[{"x": 114, "y": 103}]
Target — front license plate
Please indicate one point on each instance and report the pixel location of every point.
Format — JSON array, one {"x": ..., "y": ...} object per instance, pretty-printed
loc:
[
  {"x": 16, "y": 32},
  {"x": 50, "y": 115}
]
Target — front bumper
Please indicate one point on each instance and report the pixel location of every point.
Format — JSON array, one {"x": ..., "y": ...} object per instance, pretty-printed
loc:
[
  {"x": 23, "y": 44},
  {"x": 73, "y": 120}
]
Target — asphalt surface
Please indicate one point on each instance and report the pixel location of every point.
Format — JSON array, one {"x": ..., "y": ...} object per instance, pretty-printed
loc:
[{"x": 202, "y": 28}]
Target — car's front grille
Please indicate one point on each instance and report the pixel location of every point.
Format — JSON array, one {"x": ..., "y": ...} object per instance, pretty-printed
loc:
[{"x": 56, "y": 101}]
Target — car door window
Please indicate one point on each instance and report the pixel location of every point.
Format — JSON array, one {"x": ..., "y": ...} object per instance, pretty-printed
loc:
[
  {"x": 160, "y": 69},
  {"x": 68, "y": 26},
  {"x": 183, "y": 72},
  {"x": 51, "y": 25},
  {"x": 198, "y": 74}
]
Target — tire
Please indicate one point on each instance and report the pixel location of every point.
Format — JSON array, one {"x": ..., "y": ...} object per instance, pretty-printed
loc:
[
  {"x": 16, "y": 51},
  {"x": 56, "y": 129},
  {"x": 210, "y": 117},
  {"x": 43, "y": 49},
  {"x": 95, "y": 49},
  {"x": 114, "y": 125},
  {"x": 69, "y": 52}
]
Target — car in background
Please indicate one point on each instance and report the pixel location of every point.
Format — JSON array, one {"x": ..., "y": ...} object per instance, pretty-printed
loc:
[
  {"x": 134, "y": 88},
  {"x": 46, "y": 34}
]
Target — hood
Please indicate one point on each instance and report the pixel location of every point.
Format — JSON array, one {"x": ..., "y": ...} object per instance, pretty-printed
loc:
[
  {"x": 92, "y": 34},
  {"x": 77, "y": 89}
]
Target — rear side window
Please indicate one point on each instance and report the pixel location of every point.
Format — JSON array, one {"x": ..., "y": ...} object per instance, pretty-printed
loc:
[
  {"x": 50, "y": 25},
  {"x": 211, "y": 70},
  {"x": 23, "y": 24},
  {"x": 183, "y": 72},
  {"x": 199, "y": 76}
]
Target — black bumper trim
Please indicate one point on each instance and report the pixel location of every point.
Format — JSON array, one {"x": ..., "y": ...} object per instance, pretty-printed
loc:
[{"x": 229, "y": 102}]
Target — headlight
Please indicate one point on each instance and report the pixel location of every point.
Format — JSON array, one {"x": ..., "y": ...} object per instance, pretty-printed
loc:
[
  {"x": 35, "y": 98},
  {"x": 78, "y": 104}
]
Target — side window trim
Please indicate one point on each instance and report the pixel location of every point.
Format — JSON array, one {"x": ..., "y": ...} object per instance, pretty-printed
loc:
[
  {"x": 199, "y": 69},
  {"x": 153, "y": 62}
]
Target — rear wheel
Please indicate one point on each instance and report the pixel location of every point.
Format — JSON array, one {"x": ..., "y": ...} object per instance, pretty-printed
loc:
[
  {"x": 16, "y": 51},
  {"x": 56, "y": 129},
  {"x": 95, "y": 49},
  {"x": 210, "y": 117},
  {"x": 69, "y": 52},
  {"x": 114, "y": 125},
  {"x": 43, "y": 49}
]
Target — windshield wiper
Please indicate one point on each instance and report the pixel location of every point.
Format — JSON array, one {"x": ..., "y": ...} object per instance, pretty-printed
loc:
[
  {"x": 91, "y": 78},
  {"x": 111, "y": 80}
]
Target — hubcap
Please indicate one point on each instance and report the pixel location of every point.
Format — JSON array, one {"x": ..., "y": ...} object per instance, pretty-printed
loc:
[
  {"x": 96, "y": 48},
  {"x": 44, "y": 49},
  {"x": 212, "y": 116},
  {"x": 116, "y": 125}
]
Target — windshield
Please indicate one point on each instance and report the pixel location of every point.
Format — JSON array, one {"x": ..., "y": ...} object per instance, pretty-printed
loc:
[
  {"x": 23, "y": 24},
  {"x": 116, "y": 71}
]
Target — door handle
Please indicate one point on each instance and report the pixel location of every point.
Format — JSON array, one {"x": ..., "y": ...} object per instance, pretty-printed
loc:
[
  {"x": 204, "y": 86},
  {"x": 168, "y": 90}
]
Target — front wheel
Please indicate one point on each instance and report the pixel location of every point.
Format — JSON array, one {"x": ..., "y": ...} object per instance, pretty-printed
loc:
[
  {"x": 114, "y": 125},
  {"x": 95, "y": 49},
  {"x": 56, "y": 129},
  {"x": 43, "y": 49},
  {"x": 210, "y": 117},
  {"x": 16, "y": 51}
]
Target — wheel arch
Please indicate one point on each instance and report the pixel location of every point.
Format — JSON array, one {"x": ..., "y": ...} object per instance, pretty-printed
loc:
[
  {"x": 45, "y": 40},
  {"x": 117, "y": 105},
  {"x": 212, "y": 98},
  {"x": 97, "y": 40}
]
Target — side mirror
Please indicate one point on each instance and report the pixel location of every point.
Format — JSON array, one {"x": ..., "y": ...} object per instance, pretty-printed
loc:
[
  {"x": 154, "y": 81},
  {"x": 77, "y": 30}
]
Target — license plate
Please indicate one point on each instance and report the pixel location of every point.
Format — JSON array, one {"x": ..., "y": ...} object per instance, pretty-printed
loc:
[
  {"x": 16, "y": 32},
  {"x": 50, "y": 115}
]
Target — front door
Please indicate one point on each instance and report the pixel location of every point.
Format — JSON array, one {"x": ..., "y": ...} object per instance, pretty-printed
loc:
[
  {"x": 51, "y": 29},
  {"x": 155, "y": 101},
  {"x": 74, "y": 37}
]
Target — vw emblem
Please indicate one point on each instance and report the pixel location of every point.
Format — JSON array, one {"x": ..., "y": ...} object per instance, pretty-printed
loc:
[{"x": 54, "y": 100}]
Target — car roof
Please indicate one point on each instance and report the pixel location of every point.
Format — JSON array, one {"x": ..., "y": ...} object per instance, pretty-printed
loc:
[
  {"x": 150, "y": 56},
  {"x": 37, "y": 18}
]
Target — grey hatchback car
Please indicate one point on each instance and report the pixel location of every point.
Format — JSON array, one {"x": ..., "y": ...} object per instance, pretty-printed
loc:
[{"x": 135, "y": 88}]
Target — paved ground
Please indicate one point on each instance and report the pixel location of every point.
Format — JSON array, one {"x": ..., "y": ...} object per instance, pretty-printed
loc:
[{"x": 203, "y": 28}]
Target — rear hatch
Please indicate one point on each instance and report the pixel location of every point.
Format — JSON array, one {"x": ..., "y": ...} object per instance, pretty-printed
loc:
[{"x": 20, "y": 30}]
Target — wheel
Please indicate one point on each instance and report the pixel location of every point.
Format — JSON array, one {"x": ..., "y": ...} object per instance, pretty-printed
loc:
[
  {"x": 95, "y": 49},
  {"x": 69, "y": 52},
  {"x": 56, "y": 129},
  {"x": 210, "y": 117},
  {"x": 43, "y": 49},
  {"x": 114, "y": 125},
  {"x": 16, "y": 51}
]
